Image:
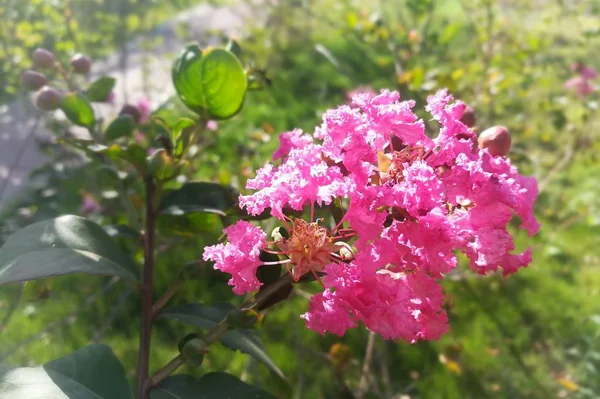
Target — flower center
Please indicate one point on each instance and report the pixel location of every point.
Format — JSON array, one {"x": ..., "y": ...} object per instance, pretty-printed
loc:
[{"x": 309, "y": 247}]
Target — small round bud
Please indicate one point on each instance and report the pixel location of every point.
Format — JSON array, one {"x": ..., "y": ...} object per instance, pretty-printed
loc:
[
  {"x": 43, "y": 58},
  {"x": 496, "y": 139},
  {"x": 33, "y": 80},
  {"x": 468, "y": 117},
  {"x": 132, "y": 111},
  {"x": 81, "y": 63},
  {"x": 48, "y": 99}
]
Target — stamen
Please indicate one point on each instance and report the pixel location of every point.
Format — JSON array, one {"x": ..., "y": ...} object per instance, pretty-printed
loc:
[{"x": 278, "y": 262}]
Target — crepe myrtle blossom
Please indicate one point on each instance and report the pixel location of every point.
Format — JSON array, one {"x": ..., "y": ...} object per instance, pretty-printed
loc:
[
  {"x": 581, "y": 83},
  {"x": 408, "y": 203}
]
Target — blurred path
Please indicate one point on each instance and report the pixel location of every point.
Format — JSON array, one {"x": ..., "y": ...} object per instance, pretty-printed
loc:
[{"x": 140, "y": 74}]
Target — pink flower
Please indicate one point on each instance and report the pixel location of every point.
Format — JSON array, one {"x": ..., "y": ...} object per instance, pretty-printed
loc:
[
  {"x": 411, "y": 202},
  {"x": 580, "y": 83},
  {"x": 110, "y": 99},
  {"x": 144, "y": 107},
  {"x": 212, "y": 125},
  {"x": 240, "y": 256},
  {"x": 89, "y": 205},
  {"x": 368, "y": 90},
  {"x": 302, "y": 178},
  {"x": 289, "y": 141},
  {"x": 394, "y": 305}
]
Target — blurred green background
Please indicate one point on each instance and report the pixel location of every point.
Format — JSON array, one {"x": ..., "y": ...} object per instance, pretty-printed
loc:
[{"x": 533, "y": 335}]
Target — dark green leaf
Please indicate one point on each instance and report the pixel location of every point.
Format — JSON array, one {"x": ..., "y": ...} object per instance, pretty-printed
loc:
[
  {"x": 123, "y": 126},
  {"x": 68, "y": 244},
  {"x": 135, "y": 154},
  {"x": 78, "y": 109},
  {"x": 207, "y": 317},
  {"x": 189, "y": 225},
  {"x": 199, "y": 197},
  {"x": 217, "y": 385},
  {"x": 100, "y": 89},
  {"x": 210, "y": 82},
  {"x": 269, "y": 273},
  {"x": 197, "y": 314},
  {"x": 121, "y": 230},
  {"x": 93, "y": 372},
  {"x": 234, "y": 47}
]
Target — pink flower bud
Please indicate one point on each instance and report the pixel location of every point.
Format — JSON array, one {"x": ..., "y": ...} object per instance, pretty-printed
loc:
[
  {"x": 468, "y": 117},
  {"x": 496, "y": 139},
  {"x": 43, "y": 58},
  {"x": 33, "y": 80},
  {"x": 81, "y": 63},
  {"x": 48, "y": 99},
  {"x": 132, "y": 111}
]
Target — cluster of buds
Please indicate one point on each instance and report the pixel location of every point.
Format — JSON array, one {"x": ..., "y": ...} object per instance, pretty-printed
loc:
[
  {"x": 404, "y": 204},
  {"x": 49, "y": 98}
]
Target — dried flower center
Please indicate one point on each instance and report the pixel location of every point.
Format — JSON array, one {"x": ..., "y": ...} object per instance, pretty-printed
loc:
[{"x": 310, "y": 248}]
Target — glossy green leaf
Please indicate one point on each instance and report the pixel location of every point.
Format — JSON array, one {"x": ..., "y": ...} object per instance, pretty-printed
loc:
[
  {"x": 93, "y": 372},
  {"x": 78, "y": 109},
  {"x": 210, "y": 82},
  {"x": 199, "y": 197},
  {"x": 181, "y": 136},
  {"x": 123, "y": 126},
  {"x": 55, "y": 247},
  {"x": 217, "y": 385},
  {"x": 206, "y": 317},
  {"x": 100, "y": 89}
]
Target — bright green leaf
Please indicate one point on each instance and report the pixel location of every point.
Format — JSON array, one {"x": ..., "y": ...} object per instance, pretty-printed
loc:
[
  {"x": 120, "y": 127},
  {"x": 67, "y": 244},
  {"x": 217, "y": 385},
  {"x": 100, "y": 89},
  {"x": 210, "y": 82},
  {"x": 181, "y": 136},
  {"x": 93, "y": 372},
  {"x": 78, "y": 109}
]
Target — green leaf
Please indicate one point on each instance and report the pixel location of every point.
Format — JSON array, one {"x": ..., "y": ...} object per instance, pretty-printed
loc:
[
  {"x": 93, "y": 372},
  {"x": 217, "y": 385},
  {"x": 210, "y": 82},
  {"x": 161, "y": 165},
  {"x": 55, "y": 247},
  {"x": 78, "y": 109},
  {"x": 199, "y": 197},
  {"x": 100, "y": 89},
  {"x": 182, "y": 134},
  {"x": 201, "y": 316},
  {"x": 120, "y": 127}
]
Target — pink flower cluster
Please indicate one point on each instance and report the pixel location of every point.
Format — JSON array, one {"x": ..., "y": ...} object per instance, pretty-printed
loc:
[
  {"x": 410, "y": 203},
  {"x": 581, "y": 83}
]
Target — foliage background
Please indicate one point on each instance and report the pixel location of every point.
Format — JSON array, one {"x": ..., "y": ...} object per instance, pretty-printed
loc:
[{"x": 533, "y": 335}]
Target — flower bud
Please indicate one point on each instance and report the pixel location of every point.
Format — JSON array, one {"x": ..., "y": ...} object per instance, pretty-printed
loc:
[
  {"x": 132, "y": 111},
  {"x": 468, "y": 117},
  {"x": 33, "y": 80},
  {"x": 81, "y": 63},
  {"x": 48, "y": 99},
  {"x": 43, "y": 58},
  {"x": 496, "y": 139}
]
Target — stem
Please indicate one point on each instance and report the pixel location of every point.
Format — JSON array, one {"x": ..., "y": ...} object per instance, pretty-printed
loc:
[
  {"x": 364, "y": 377},
  {"x": 162, "y": 301},
  {"x": 213, "y": 335},
  {"x": 146, "y": 320}
]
